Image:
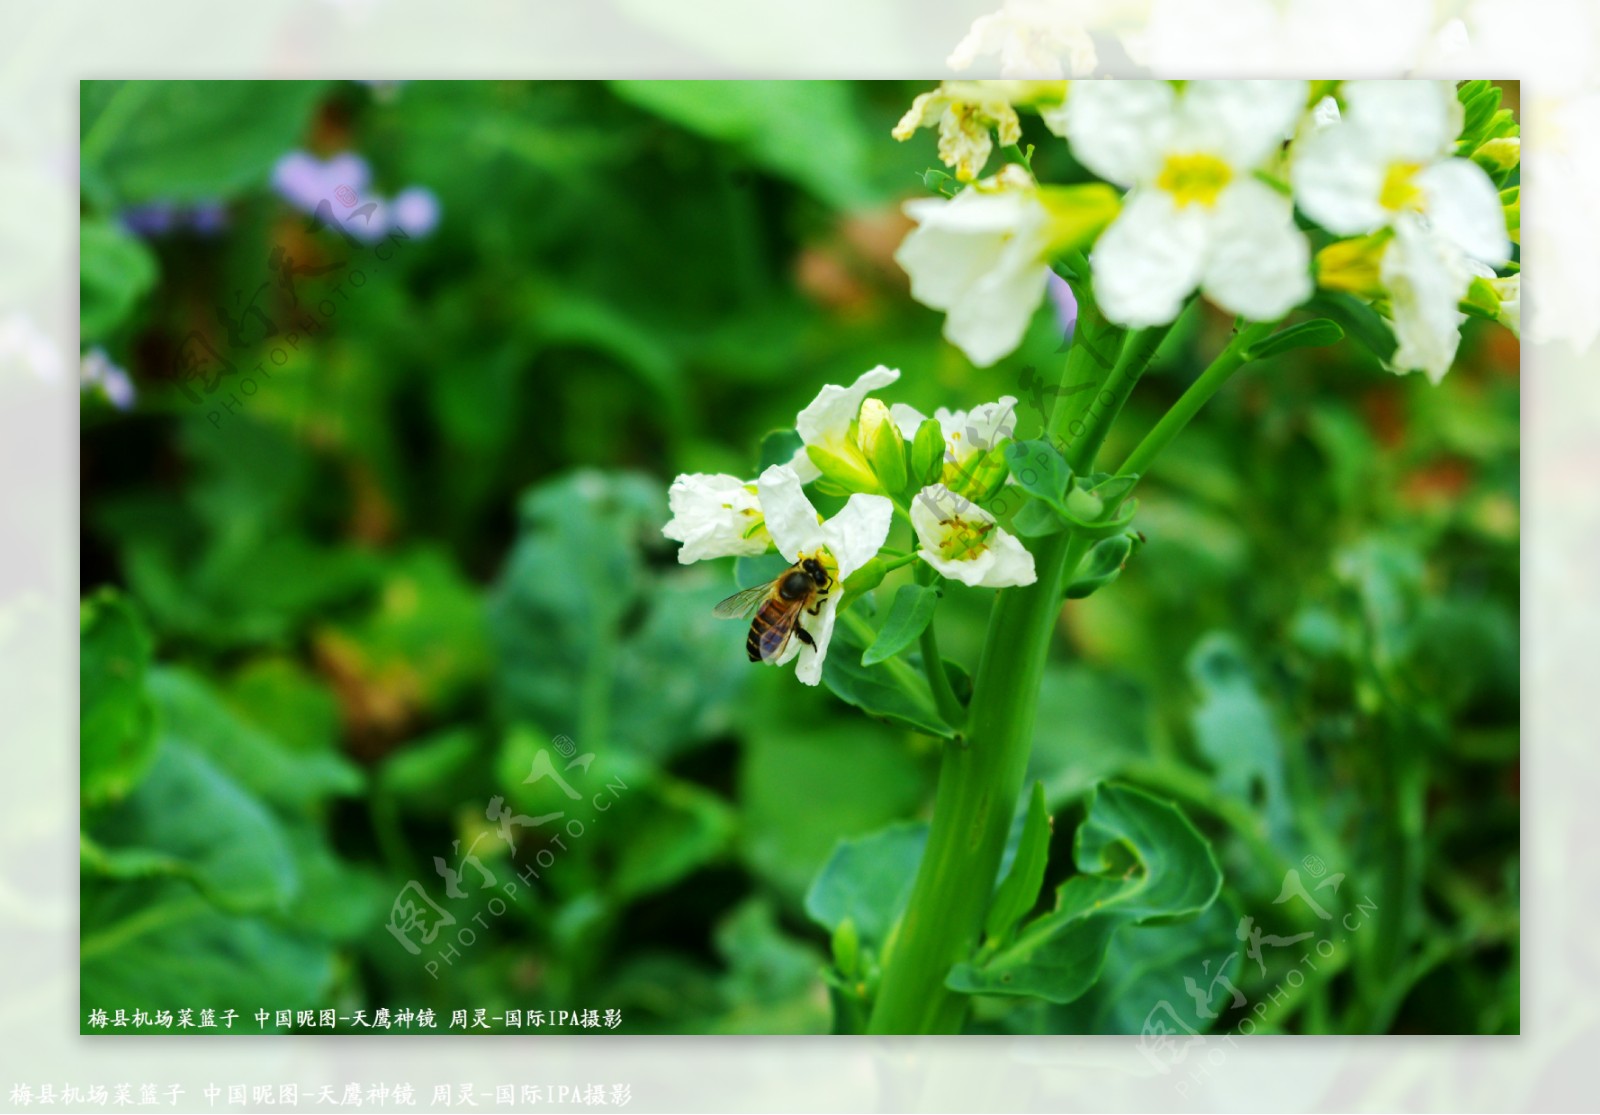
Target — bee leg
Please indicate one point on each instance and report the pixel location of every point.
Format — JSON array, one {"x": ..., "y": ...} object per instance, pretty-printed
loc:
[{"x": 805, "y": 636}]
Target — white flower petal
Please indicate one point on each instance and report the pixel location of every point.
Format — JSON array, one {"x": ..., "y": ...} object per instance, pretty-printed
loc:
[
  {"x": 791, "y": 520},
  {"x": 1259, "y": 266},
  {"x": 1411, "y": 121},
  {"x": 1149, "y": 260},
  {"x": 1121, "y": 130},
  {"x": 1242, "y": 121},
  {"x": 1337, "y": 178},
  {"x": 987, "y": 425},
  {"x": 712, "y": 516},
  {"x": 989, "y": 322},
  {"x": 1426, "y": 277},
  {"x": 809, "y": 658},
  {"x": 908, "y": 418},
  {"x": 1463, "y": 205},
  {"x": 856, "y": 534},
  {"x": 826, "y": 421}
]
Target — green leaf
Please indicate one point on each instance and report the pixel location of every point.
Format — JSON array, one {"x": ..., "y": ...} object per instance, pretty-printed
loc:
[
  {"x": 194, "y": 716},
  {"x": 1091, "y": 725},
  {"x": 1102, "y": 566},
  {"x": 1020, "y": 889},
  {"x": 161, "y": 945},
  {"x": 189, "y": 819},
  {"x": 117, "y": 719},
  {"x": 184, "y": 141},
  {"x": 868, "y": 881},
  {"x": 1306, "y": 334},
  {"x": 1039, "y": 469},
  {"x": 115, "y": 271},
  {"x": 908, "y": 616},
  {"x": 809, "y": 132},
  {"x": 1148, "y": 972},
  {"x": 1233, "y": 728},
  {"x": 1358, "y": 319},
  {"x": 795, "y": 807},
  {"x": 895, "y": 690},
  {"x": 1141, "y": 861}
]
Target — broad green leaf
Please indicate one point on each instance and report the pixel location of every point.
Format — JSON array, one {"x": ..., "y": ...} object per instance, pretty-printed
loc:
[
  {"x": 768, "y": 988},
  {"x": 1150, "y": 975},
  {"x": 1102, "y": 566},
  {"x": 1140, "y": 860},
  {"x": 895, "y": 691},
  {"x": 184, "y": 141},
  {"x": 115, "y": 271},
  {"x": 117, "y": 725},
  {"x": 1020, "y": 888},
  {"x": 1306, "y": 334},
  {"x": 196, "y": 717},
  {"x": 189, "y": 819},
  {"x": 1090, "y": 725},
  {"x": 161, "y": 945},
  {"x": 671, "y": 830},
  {"x": 1040, "y": 470},
  {"x": 793, "y": 804},
  {"x": 809, "y": 132},
  {"x": 910, "y": 613},
  {"x": 1234, "y": 729},
  {"x": 868, "y": 880}
]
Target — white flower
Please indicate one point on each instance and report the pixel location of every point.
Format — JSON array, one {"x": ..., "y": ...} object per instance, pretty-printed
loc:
[
  {"x": 843, "y": 544},
  {"x": 1426, "y": 278},
  {"x": 830, "y": 423},
  {"x": 1392, "y": 154},
  {"x": 1196, "y": 215},
  {"x": 1031, "y": 37},
  {"x": 981, "y": 258},
  {"x": 715, "y": 515},
  {"x": 967, "y": 434},
  {"x": 963, "y": 542},
  {"x": 1213, "y": 38},
  {"x": 964, "y": 126}
]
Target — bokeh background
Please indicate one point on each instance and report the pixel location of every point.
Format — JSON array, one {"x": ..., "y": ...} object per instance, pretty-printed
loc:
[{"x": 331, "y": 618}]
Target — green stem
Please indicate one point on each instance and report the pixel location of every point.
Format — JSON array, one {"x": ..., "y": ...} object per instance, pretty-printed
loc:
[
  {"x": 1107, "y": 403},
  {"x": 978, "y": 789},
  {"x": 1228, "y": 361}
]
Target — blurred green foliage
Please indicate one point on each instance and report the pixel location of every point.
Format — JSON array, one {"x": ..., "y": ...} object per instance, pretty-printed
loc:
[{"x": 329, "y": 631}]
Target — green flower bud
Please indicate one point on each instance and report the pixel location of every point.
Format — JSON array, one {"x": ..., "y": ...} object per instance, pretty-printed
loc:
[
  {"x": 883, "y": 445},
  {"x": 865, "y": 579},
  {"x": 1085, "y": 506},
  {"x": 1499, "y": 155},
  {"x": 848, "y": 475},
  {"x": 927, "y": 453},
  {"x": 846, "y": 948}
]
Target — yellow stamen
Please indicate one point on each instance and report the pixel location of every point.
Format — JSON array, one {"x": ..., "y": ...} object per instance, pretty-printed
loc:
[
  {"x": 1400, "y": 189},
  {"x": 1197, "y": 178}
]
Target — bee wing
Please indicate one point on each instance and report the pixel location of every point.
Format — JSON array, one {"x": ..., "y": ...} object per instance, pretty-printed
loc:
[
  {"x": 743, "y": 604},
  {"x": 776, "y": 637}
]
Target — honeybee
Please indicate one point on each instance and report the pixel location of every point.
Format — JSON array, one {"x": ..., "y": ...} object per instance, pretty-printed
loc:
[{"x": 776, "y": 607}]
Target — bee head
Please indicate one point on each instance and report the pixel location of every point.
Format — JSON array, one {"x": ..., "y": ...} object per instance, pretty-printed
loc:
[{"x": 814, "y": 569}]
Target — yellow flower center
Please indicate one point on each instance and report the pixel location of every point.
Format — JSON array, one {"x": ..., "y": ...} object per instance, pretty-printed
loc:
[
  {"x": 1400, "y": 189},
  {"x": 1192, "y": 179},
  {"x": 963, "y": 540}
]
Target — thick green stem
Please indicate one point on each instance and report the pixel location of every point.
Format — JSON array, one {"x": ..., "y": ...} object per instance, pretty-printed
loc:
[
  {"x": 944, "y": 695},
  {"x": 979, "y": 784},
  {"x": 1228, "y": 361}
]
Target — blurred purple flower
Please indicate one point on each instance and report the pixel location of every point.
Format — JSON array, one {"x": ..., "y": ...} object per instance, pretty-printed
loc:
[
  {"x": 305, "y": 181},
  {"x": 97, "y": 370},
  {"x": 208, "y": 217},
  {"x": 1066, "y": 306},
  {"x": 416, "y": 210},
  {"x": 152, "y": 219}
]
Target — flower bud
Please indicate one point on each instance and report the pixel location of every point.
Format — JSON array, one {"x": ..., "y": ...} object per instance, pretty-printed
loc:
[
  {"x": 846, "y": 948},
  {"x": 849, "y": 475},
  {"x": 1087, "y": 507},
  {"x": 884, "y": 447},
  {"x": 1499, "y": 155},
  {"x": 927, "y": 453},
  {"x": 865, "y": 579},
  {"x": 1353, "y": 265}
]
